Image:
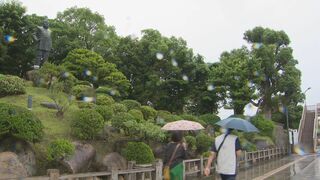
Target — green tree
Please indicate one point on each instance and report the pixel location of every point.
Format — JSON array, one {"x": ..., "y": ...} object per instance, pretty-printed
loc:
[
  {"x": 90, "y": 66},
  {"x": 233, "y": 77},
  {"x": 278, "y": 77},
  {"x": 16, "y": 44},
  {"x": 77, "y": 28}
]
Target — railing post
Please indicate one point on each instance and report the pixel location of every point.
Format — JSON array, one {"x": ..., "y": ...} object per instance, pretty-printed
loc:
[
  {"x": 159, "y": 165},
  {"x": 130, "y": 166},
  {"x": 201, "y": 166},
  {"x": 246, "y": 164},
  {"x": 53, "y": 174},
  {"x": 114, "y": 174},
  {"x": 269, "y": 153}
]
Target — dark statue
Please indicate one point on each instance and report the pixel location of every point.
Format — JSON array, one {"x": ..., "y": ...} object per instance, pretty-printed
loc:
[{"x": 43, "y": 37}]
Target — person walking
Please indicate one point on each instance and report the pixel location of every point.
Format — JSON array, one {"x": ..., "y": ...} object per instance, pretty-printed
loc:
[
  {"x": 175, "y": 153},
  {"x": 225, "y": 149}
]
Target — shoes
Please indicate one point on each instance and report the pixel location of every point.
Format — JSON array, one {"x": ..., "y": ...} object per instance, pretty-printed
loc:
[{"x": 36, "y": 66}]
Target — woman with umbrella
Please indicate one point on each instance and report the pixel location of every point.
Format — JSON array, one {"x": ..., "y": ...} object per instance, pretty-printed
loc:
[
  {"x": 175, "y": 151},
  {"x": 226, "y": 148}
]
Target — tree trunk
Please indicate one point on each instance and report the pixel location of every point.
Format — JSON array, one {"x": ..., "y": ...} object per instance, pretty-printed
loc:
[{"x": 267, "y": 112}]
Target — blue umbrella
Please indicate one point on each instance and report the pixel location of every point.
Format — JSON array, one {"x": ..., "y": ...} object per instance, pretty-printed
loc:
[{"x": 237, "y": 123}]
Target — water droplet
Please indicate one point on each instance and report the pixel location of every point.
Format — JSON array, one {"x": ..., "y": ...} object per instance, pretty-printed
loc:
[
  {"x": 66, "y": 74},
  {"x": 88, "y": 99},
  {"x": 257, "y": 45},
  {"x": 95, "y": 78},
  {"x": 9, "y": 39},
  {"x": 282, "y": 109},
  {"x": 250, "y": 84},
  {"x": 210, "y": 87},
  {"x": 113, "y": 92},
  {"x": 185, "y": 77},
  {"x": 299, "y": 150},
  {"x": 159, "y": 56},
  {"x": 256, "y": 73},
  {"x": 71, "y": 98},
  {"x": 237, "y": 78},
  {"x": 281, "y": 71},
  {"x": 171, "y": 51},
  {"x": 174, "y": 62},
  {"x": 87, "y": 73}
]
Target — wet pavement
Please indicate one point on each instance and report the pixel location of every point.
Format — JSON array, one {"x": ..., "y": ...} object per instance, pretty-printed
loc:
[{"x": 288, "y": 168}]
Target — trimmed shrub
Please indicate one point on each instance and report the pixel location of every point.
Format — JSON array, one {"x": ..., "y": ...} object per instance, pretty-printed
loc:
[
  {"x": 149, "y": 113},
  {"x": 11, "y": 85},
  {"x": 104, "y": 100},
  {"x": 193, "y": 118},
  {"x": 210, "y": 119},
  {"x": 265, "y": 126},
  {"x": 105, "y": 111},
  {"x": 86, "y": 124},
  {"x": 81, "y": 91},
  {"x": 109, "y": 91},
  {"x": 118, "y": 108},
  {"x": 86, "y": 105},
  {"x": 20, "y": 123},
  {"x": 131, "y": 104},
  {"x": 136, "y": 114},
  {"x": 167, "y": 116},
  {"x": 139, "y": 152},
  {"x": 191, "y": 142},
  {"x": 119, "y": 120},
  {"x": 59, "y": 149},
  {"x": 203, "y": 142}
]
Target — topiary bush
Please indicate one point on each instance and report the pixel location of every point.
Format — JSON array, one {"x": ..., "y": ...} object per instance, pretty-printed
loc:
[
  {"x": 149, "y": 113},
  {"x": 131, "y": 104},
  {"x": 109, "y": 91},
  {"x": 203, "y": 142},
  {"x": 118, "y": 108},
  {"x": 193, "y": 118},
  {"x": 137, "y": 114},
  {"x": 191, "y": 142},
  {"x": 81, "y": 91},
  {"x": 210, "y": 119},
  {"x": 104, "y": 100},
  {"x": 20, "y": 123},
  {"x": 11, "y": 85},
  {"x": 105, "y": 111},
  {"x": 139, "y": 152},
  {"x": 86, "y": 105},
  {"x": 86, "y": 124},
  {"x": 265, "y": 126},
  {"x": 119, "y": 120},
  {"x": 59, "y": 149},
  {"x": 167, "y": 116}
]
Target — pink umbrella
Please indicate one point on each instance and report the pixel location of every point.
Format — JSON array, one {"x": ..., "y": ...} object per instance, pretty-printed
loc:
[{"x": 182, "y": 125}]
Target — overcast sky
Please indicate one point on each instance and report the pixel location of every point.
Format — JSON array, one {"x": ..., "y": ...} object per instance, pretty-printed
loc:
[{"x": 212, "y": 26}]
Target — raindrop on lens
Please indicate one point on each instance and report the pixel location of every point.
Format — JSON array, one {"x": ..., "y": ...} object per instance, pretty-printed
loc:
[
  {"x": 159, "y": 56},
  {"x": 174, "y": 62},
  {"x": 112, "y": 92},
  {"x": 257, "y": 45},
  {"x": 66, "y": 74},
  {"x": 256, "y": 73},
  {"x": 88, "y": 99},
  {"x": 9, "y": 39},
  {"x": 87, "y": 72},
  {"x": 95, "y": 78},
  {"x": 237, "y": 78},
  {"x": 210, "y": 87},
  {"x": 184, "y": 77}
]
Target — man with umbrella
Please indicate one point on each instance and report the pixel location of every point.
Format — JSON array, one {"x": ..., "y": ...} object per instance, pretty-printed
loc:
[{"x": 227, "y": 148}]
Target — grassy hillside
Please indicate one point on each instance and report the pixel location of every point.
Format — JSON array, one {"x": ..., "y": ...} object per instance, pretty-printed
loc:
[{"x": 54, "y": 127}]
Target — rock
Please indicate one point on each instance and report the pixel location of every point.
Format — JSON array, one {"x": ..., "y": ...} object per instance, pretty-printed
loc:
[
  {"x": 113, "y": 161},
  {"x": 23, "y": 150},
  {"x": 49, "y": 105},
  {"x": 11, "y": 167},
  {"x": 81, "y": 159}
]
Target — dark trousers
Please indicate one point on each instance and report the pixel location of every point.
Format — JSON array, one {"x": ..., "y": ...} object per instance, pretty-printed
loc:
[
  {"x": 42, "y": 56},
  {"x": 228, "y": 177}
]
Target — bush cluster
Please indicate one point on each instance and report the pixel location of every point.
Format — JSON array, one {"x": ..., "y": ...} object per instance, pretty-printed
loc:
[
  {"x": 148, "y": 112},
  {"x": 137, "y": 114},
  {"x": 104, "y": 100},
  {"x": 86, "y": 124},
  {"x": 59, "y": 149},
  {"x": 203, "y": 142},
  {"x": 11, "y": 85},
  {"x": 105, "y": 111},
  {"x": 265, "y": 126},
  {"x": 131, "y": 104},
  {"x": 191, "y": 142},
  {"x": 20, "y": 123},
  {"x": 81, "y": 91},
  {"x": 139, "y": 152}
]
